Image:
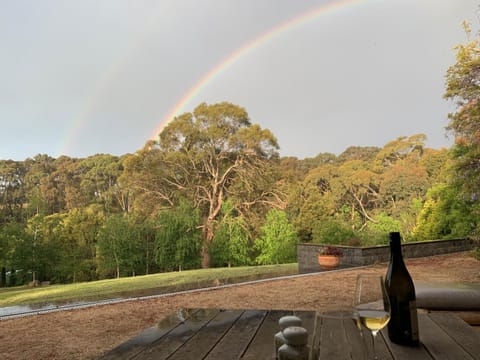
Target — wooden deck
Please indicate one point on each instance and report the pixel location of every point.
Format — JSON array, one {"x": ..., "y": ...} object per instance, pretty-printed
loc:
[{"x": 248, "y": 334}]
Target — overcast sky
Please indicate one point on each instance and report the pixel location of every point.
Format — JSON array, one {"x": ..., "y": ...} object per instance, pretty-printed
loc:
[{"x": 81, "y": 77}]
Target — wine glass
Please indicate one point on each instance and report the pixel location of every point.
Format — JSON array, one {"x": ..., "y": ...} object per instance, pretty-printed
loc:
[{"x": 372, "y": 306}]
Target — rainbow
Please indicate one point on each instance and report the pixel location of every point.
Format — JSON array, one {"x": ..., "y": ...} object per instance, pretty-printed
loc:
[
  {"x": 80, "y": 121},
  {"x": 248, "y": 47}
]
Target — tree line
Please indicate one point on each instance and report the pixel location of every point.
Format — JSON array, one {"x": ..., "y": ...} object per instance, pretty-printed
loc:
[{"x": 213, "y": 191}]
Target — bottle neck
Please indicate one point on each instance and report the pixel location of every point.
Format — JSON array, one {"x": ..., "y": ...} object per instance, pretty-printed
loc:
[{"x": 396, "y": 249}]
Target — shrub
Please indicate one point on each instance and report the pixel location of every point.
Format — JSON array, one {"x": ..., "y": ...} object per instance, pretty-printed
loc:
[
  {"x": 277, "y": 241},
  {"x": 332, "y": 232}
]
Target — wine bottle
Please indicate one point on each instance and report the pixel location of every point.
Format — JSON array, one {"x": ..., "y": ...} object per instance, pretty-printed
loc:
[{"x": 403, "y": 324}]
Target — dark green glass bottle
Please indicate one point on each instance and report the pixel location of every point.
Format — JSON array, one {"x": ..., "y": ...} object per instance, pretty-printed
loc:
[{"x": 403, "y": 324}]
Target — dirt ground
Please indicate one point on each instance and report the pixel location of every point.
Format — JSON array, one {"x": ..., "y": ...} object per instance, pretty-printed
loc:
[{"x": 89, "y": 333}]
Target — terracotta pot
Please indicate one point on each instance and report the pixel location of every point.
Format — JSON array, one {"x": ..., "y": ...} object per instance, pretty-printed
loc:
[{"x": 328, "y": 262}]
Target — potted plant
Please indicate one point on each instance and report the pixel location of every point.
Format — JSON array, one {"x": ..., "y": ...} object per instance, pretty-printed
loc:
[{"x": 329, "y": 257}]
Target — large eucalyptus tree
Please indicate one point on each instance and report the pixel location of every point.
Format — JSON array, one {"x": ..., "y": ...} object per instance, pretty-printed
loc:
[{"x": 207, "y": 156}]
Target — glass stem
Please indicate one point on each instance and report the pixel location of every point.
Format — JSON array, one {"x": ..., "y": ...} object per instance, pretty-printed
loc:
[{"x": 374, "y": 354}]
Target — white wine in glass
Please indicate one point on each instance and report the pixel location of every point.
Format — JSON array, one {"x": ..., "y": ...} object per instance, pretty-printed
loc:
[
  {"x": 373, "y": 320},
  {"x": 372, "y": 305}
]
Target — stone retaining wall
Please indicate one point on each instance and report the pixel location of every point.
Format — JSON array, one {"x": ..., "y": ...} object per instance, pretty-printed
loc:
[{"x": 359, "y": 256}]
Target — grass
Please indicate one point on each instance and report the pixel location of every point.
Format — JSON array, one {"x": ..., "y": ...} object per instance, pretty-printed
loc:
[{"x": 139, "y": 285}]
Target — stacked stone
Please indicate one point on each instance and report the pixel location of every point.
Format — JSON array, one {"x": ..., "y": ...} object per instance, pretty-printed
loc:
[{"x": 291, "y": 341}]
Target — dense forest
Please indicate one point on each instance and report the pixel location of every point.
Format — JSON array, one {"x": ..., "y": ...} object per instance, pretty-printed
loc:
[{"x": 213, "y": 191}]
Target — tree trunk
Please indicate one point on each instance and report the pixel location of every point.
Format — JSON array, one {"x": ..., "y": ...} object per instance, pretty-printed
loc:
[
  {"x": 206, "y": 261},
  {"x": 205, "y": 256},
  {"x": 3, "y": 277}
]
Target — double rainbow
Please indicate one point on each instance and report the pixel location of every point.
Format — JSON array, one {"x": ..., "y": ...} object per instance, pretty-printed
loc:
[
  {"x": 248, "y": 47},
  {"x": 80, "y": 121}
]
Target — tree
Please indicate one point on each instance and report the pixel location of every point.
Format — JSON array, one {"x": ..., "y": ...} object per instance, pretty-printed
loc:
[
  {"x": 462, "y": 87},
  {"x": 37, "y": 170},
  {"x": 52, "y": 183},
  {"x": 319, "y": 160},
  {"x": 80, "y": 229},
  {"x": 366, "y": 153},
  {"x": 307, "y": 207},
  {"x": 178, "y": 238},
  {"x": 376, "y": 232},
  {"x": 359, "y": 186},
  {"x": 100, "y": 181},
  {"x": 333, "y": 232},
  {"x": 68, "y": 173},
  {"x": 401, "y": 183},
  {"x": 400, "y": 149},
  {"x": 10, "y": 235},
  {"x": 40, "y": 250},
  {"x": 313, "y": 200},
  {"x": 12, "y": 194},
  {"x": 278, "y": 240},
  {"x": 436, "y": 163},
  {"x": 205, "y": 156},
  {"x": 444, "y": 215},
  {"x": 231, "y": 245},
  {"x": 119, "y": 248}
]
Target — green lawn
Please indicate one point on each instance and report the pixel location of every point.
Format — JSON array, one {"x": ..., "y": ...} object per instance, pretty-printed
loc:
[{"x": 139, "y": 285}]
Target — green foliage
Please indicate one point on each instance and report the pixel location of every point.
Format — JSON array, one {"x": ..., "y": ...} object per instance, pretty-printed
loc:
[
  {"x": 12, "y": 278},
  {"x": 277, "y": 243},
  {"x": 383, "y": 224},
  {"x": 403, "y": 182},
  {"x": 10, "y": 235},
  {"x": 332, "y": 232},
  {"x": 313, "y": 200},
  {"x": 462, "y": 81},
  {"x": 99, "y": 180},
  {"x": 178, "y": 238},
  {"x": 201, "y": 194},
  {"x": 207, "y": 156},
  {"x": 12, "y": 191},
  {"x": 445, "y": 215},
  {"x": 119, "y": 249},
  {"x": 319, "y": 160},
  {"x": 230, "y": 245},
  {"x": 408, "y": 218},
  {"x": 403, "y": 148},
  {"x": 41, "y": 250},
  {"x": 367, "y": 153},
  {"x": 3, "y": 276},
  {"x": 376, "y": 232},
  {"x": 79, "y": 230},
  {"x": 58, "y": 247}
]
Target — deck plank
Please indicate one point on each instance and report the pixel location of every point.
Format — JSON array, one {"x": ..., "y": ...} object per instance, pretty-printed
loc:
[
  {"x": 236, "y": 340},
  {"x": 459, "y": 331},
  {"x": 440, "y": 344},
  {"x": 337, "y": 339},
  {"x": 173, "y": 340},
  {"x": 262, "y": 346},
  {"x": 214, "y": 334},
  {"x": 135, "y": 345},
  {"x": 199, "y": 345}
]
